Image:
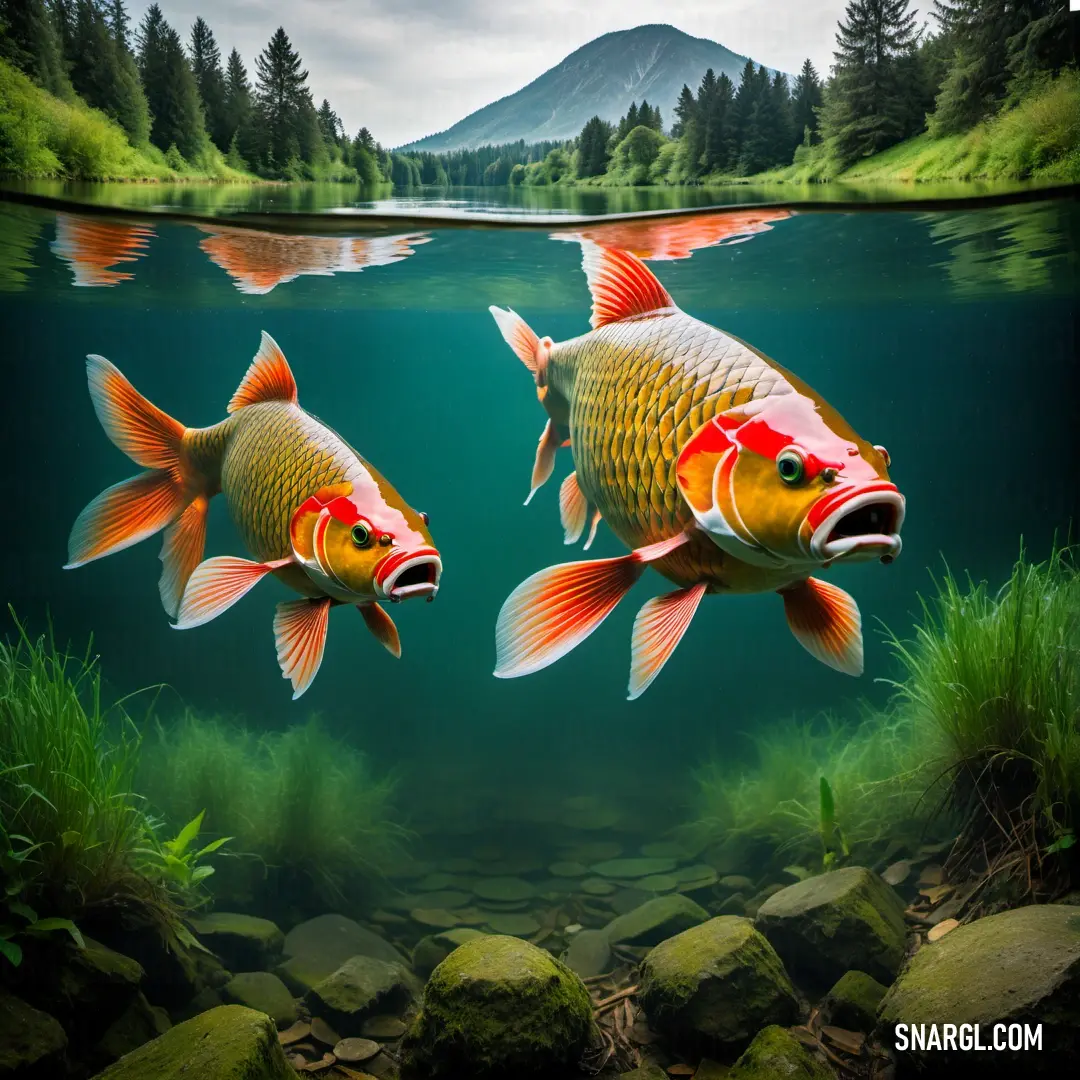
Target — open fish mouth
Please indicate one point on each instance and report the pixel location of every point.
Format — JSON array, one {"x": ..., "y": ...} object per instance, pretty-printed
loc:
[
  {"x": 861, "y": 525},
  {"x": 405, "y": 574}
]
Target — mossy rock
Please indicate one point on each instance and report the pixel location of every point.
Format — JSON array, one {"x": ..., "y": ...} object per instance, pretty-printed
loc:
[
  {"x": 138, "y": 1024},
  {"x": 315, "y": 949},
  {"x": 589, "y": 953},
  {"x": 710, "y": 988},
  {"x": 244, "y": 942},
  {"x": 775, "y": 1054},
  {"x": 1016, "y": 967},
  {"x": 264, "y": 992},
  {"x": 227, "y": 1043},
  {"x": 845, "y": 920},
  {"x": 91, "y": 989},
  {"x": 853, "y": 1002},
  {"x": 432, "y": 950},
  {"x": 656, "y": 920},
  {"x": 360, "y": 987},
  {"x": 32, "y": 1043},
  {"x": 498, "y": 1007}
]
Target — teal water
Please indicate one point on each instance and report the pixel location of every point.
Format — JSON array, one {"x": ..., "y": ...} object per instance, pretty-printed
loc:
[{"x": 949, "y": 337}]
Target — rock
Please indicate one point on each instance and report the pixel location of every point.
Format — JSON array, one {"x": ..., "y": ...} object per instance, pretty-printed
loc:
[
  {"x": 664, "y": 849},
  {"x": 645, "y": 1072},
  {"x": 737, "y": 883},
  {"x": 713, "y": 986},
  {"x": 227, "y": 1043},
  {"x": 593, "y": 851},
  {"x": 172, "y": 974},
  {"x": 206, "y": 999},
  {"x": 595, "y": 886},
  {"x": 632, "y": 868},
  {"x": 735, "y": 904},
  {"x": 382, "y": 1028},
  {"x": 508, "y": 889},
  {"x": 354, "y": 1049},
  {"x": 317, "y": 948},
  {"x": 841, "y": 921},
  {"x": 433, "y": 882},
  {"x": 433, "y": 950},
  {"x": 360, "y": 987},
  {"x": 754, "y": 904},
  {"x": 264, "y": 992},
  {"x": 775, "y": 1054},
  {"x": 32, "y": 1043},
  {"x": 244, "y": 942},
  {"x": 1017, "y": 967},
  {"x": 498, "y": 1007},
  {"x": 589, "y": 953},
  {"x": 655, "y": 920},
  {"x": 138, "y": 1024},
  {"x": 568, "y": 869},
  {"x": 853, "y": 1002},
  {"x": 625, "y": 900},
  {"x": 658, "y": 883},
  {"x": 515, "y": 925},
  {"x": 437, "y": 917},
  {"x": 92, "y": 989}
]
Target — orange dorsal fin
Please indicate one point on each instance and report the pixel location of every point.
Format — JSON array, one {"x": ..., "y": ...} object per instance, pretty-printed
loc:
[
  {"x": 827, "y": 623},
  {"x": 382, "y": 626},
  {"x": 622, "y": 286},
  {"x": 300, "y": 634},
  {"x": 658, "y": 628},
  {"x": 573, "y": 509},
  {"x": 269, "y": 378},
  {"x": 556, "y": 609}
]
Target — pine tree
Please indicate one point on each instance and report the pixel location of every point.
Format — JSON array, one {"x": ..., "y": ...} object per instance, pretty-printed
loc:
[
  {"x": 628, "y": 122},
  {"x": 363, "y": 157},
  {"x": 783, "y": 139},
  {"x": 103, "y": 71},
  {"x": 118, "y": 20},
  {"x": 805, "y": 101},
  {"x": 63, "y": 13},
  {"x": 206, "y": 67},
  {"x": 237, "y": 113},
  {"x": 30, "y": 40},
  {"x": 593, "y": 149},
  {"x": 684, "y": 112},
  {"x": 718, "y": 147},
  {"x": 743, "y": 108},
  {"x": 329, "y": 123},
  {"x": 868, "y": 103},
  {"x": 283, "y": 102},
  {"x": 695, "y": 136},
  {"x": 170, "y": 88}
]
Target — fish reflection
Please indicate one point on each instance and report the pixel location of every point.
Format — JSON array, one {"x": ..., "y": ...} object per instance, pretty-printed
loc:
[
  {"x": 258, "y": 262},
  {"x": 678, "y": 238},
  {"x": 92, "y": 248}
]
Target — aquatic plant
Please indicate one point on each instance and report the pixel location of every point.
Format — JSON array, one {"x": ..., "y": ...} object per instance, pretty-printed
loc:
[
  {"x": 67, "y": 797},
  {"x": 308, "y": 806},
  {"x": 180, "y": 864},
  {"x": 816, "y": 791},
  {"x": 993, "y": 682}
]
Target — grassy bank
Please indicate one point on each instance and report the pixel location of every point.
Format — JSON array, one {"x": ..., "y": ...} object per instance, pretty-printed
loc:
[
  {"x": 43, "y": 136},
  {"x": 1038, "y": 139}
]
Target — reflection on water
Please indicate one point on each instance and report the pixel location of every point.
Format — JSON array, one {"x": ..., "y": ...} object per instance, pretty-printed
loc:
[
  {"x": 677, "y": 238},
  {"x": 1014, "y": 246},
  {"x": 259, "y": 261},
  {"x": 19, "y": 231},
  {"x": 316, "y": 198},
  {"x": 92, "y": 247}
]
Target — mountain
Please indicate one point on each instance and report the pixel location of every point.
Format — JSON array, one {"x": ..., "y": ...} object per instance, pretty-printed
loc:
[{"x": 602, "y": 77}]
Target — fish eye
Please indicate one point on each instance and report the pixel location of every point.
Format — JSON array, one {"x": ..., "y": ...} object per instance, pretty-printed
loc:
[
  {"x": 790, "y": 466},
  {"x": 361, "y": 535},
  {"x": 424, "y": 518},
  {"x": 386, "y": 539},
  {"x": 885, "y": 454}
]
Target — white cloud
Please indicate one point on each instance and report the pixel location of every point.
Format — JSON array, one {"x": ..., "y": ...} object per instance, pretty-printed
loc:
[{"x": 407, "y": 68}]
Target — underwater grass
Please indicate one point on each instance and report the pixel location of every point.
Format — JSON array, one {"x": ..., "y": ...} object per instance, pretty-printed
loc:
[
  {"x": 994, "y": 679},
  {"x": 307, "y": 805},
  {"x": 67, "y": 794},
  {"x": 873, "y": 771}
]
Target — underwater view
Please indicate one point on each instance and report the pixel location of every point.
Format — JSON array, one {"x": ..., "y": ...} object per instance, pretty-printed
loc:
[{"x": 799, "y": 484}]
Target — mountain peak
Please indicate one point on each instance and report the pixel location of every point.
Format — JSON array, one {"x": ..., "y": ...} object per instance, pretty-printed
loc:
[{"x": 602, "y": 78}]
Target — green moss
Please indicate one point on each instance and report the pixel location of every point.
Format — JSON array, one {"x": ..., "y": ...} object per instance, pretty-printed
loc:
[
  {"x": 499, "y": 1006},
  {"x": 853, "y": 1001},
  {"x": 776, "y": 1053},
  {"x": 226, "y": 1043},
  {"x": 28, "y": 1037}
]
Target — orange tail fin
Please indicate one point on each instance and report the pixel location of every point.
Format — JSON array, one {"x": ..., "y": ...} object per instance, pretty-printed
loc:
[{"x": 137, "y": 508}]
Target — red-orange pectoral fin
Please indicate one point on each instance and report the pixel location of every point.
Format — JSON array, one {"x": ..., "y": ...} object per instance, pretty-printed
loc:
[
  {"x": 596, "y": 515},
  {"x": 545, "y": 458},
  {"x": 181, "y": 552},
  {"x": 573, "y": 509},
  {"x": 658, "y": 628},
  {"x": 556, "y": 609},
  {"x": 217, "y": 584},
  {"x": 827, "y": 623},
  {"x": 300, "y": 635},
  {"x": 382, "y": 626},
  {"x": 269, "y": 378},
  {"x": 622, "y": 286},
  {"x": 125, "y": 514}
]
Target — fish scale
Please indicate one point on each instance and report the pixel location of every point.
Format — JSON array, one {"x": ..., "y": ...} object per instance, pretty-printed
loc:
[{"x": 638, "y": 389}]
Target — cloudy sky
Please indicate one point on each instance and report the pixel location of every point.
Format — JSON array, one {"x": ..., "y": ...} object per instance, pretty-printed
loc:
[{"x": 408, "y": 68}]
